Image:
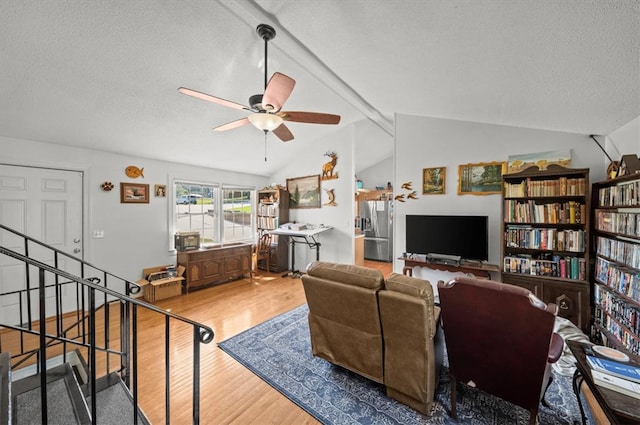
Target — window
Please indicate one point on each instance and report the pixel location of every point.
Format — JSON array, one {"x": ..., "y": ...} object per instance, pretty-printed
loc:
[
  {"x": 220, "y": 215},
  {"x": 237, "y": 207}
]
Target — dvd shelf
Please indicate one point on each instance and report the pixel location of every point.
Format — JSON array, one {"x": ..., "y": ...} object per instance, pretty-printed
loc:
[
  {"x": 616, "y": 270},
  {"x": 546, "y": 237}
]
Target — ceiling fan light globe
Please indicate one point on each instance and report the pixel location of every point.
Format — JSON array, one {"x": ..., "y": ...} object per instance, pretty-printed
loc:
[{"x": 265, "y": 122}]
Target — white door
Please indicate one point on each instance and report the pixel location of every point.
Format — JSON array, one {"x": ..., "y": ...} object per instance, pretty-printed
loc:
[{"x": 45, "y": 204}]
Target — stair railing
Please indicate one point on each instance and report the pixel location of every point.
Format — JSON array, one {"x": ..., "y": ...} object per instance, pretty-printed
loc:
[
  {"x": 87, "y": 293},
  {"x": 5, "y": 363},
  {"x": 67, "y": 262}
]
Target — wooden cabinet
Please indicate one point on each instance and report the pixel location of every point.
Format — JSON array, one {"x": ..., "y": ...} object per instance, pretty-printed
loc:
[
  {"x": 373, "y": 195},
  {"x": 215, "y": 265},
  {"x": 571, "y": 298},
  {"x": 615, "y": 246},
  {"x": 273, "y": 210},
  {"x": 359, "y": 250},
  {"x": 545, "y": 237}
]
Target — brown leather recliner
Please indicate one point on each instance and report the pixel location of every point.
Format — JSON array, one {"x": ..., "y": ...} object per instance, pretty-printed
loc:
[
  {"x": 343, "y": 316},
  {"x": 499, "y": 339},
  {"x": 413, "y": 341},
  {"x": 384, "y": 331}
]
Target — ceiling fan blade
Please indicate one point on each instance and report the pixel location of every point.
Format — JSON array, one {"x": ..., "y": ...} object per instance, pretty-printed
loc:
[
  {"x": 309, "y": 117},
  {"x": 233, "y": 124},
  {"x": 213, "y": 99},
  {"x": 283, "y": 133},
  {"x": 277, "y": 92}
]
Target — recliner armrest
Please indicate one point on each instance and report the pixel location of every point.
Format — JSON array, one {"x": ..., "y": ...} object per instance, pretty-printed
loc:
[{"x": 555, "y": 348}]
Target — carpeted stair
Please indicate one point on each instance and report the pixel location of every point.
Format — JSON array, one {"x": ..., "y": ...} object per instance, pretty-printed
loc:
[{"x": 67, "y": 399}]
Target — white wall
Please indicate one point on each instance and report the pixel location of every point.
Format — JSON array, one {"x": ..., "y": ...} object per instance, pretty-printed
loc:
[
  {"x": 623, "y": 141},
  {"x": 136, "y": 236},
  {"x": 336, "y": 244},
  {"x": 377, "y": 175},
  {"x": 423, "y": 142},
  {"x": 372, "y": 144}
]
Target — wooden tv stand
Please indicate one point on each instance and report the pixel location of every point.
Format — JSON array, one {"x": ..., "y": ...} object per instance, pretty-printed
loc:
[{"x": 481, "y": 270}]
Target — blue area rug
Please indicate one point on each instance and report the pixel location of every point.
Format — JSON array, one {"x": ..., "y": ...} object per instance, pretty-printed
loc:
[{"x": 279, "y": 352}]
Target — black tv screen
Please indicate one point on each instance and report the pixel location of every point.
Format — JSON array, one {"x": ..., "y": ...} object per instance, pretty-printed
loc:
[{"x": 461, "y": 235}]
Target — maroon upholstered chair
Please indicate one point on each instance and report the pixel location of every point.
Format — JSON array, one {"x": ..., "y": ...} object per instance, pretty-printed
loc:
[{"x": 499, "y": 339}]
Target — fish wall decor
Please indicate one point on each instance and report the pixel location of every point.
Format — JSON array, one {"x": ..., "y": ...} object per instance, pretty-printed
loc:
[{"x": 134, "y": 172}]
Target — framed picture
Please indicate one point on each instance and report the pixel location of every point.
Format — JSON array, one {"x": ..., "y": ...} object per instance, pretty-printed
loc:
[
  {"x": 484, "y": 178},
  {"x": 134, "y": 193},
  {"x": 160, "y": 190},
  {"x": 433, "y": 181},
  {"x": 542, "y": 160},
  {"x": 304, "y": 192}
]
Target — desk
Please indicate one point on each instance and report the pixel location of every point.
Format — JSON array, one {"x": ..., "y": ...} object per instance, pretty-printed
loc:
[
  {"x": 305, "y": 236},
  {"x": 619, "y": 408},
  {"x": 477, "y": 269}
]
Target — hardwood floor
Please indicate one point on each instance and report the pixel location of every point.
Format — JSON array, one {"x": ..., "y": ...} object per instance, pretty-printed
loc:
[
  {"x": 385, "y": 268},
  {"x": 230, "y": 393}
]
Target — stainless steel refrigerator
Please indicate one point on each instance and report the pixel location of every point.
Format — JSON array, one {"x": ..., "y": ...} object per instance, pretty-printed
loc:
[{"x": 376, "y": 222}]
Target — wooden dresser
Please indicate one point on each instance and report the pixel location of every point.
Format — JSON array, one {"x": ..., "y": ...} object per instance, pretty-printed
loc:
[{"x": 219, "y": 264}]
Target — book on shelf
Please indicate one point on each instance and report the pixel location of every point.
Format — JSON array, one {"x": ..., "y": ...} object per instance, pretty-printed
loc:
[
  {"x": 620, "y": 370},
  {"x": 624, "y": 386}
]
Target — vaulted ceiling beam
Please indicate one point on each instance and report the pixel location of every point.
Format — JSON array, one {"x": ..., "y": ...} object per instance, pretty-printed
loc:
[{"x": 250, "y": 12}]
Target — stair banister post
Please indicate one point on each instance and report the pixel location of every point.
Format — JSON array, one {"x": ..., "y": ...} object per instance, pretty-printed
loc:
[
  {"x": 43, "y": 346},
  {"x": 92, "y": 353},
  {"x": 27, "y": 277},
  {"x": 134, "y": 361},
  {"x": 167, "y": 374},
  {"x": 58, "y": 296},
  {"x": 124, "y": 343},
  {"x": 107, "y": 318},
  {"x": 196, "y": 375}
]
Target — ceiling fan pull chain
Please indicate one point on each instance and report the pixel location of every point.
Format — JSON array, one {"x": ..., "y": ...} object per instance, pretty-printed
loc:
[{"x": 265, "y": 145}]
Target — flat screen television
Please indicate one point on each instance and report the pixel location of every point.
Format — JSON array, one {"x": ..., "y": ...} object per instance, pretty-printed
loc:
[{"x": 459, "y": 235}]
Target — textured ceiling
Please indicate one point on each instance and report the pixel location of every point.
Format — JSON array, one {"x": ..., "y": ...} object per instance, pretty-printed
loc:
[{"x": 104, "y": 74}]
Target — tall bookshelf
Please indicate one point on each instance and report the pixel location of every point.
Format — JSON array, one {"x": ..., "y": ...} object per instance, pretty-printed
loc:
[
  {"x": 616, "y": 272},
  {"x": 545, "y": 237},
  {"x": 273, "y": 210}
]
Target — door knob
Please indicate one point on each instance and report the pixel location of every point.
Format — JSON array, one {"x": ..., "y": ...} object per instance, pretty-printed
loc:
[
  {"x": 76, "y": 250},
  {"x": 76, "y": 240}
]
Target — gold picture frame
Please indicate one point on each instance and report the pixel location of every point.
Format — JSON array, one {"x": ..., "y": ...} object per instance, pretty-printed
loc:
[
  {"x": 304, "y": 192},
  {"x": 134, "y": 193},
  {"x": 484, "y": 178},
  {"x": 160, "y": 190},
  {"x": 434, "y": 180}
]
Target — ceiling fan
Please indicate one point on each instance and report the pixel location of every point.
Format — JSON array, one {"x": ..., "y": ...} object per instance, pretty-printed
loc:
[{"x": 266, "y": 113}]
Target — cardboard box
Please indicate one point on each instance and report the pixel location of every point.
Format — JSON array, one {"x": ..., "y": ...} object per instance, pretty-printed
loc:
[{"x": 159, "y": 289}]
